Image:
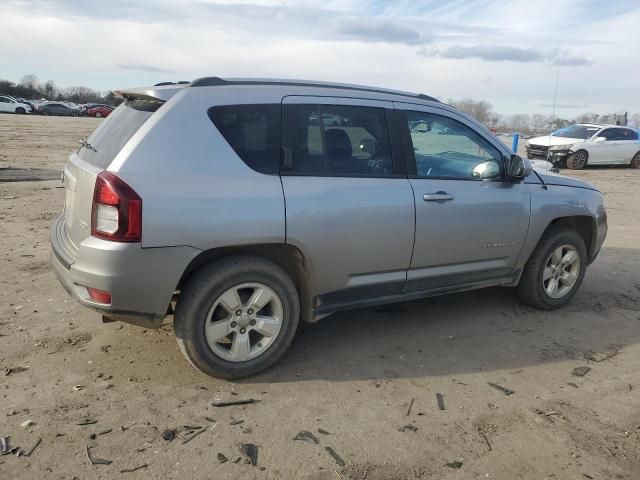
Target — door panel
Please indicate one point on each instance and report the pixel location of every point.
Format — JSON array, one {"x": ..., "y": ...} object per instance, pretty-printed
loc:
[
  {"x": 476, "y": 235},
  {"x": 345, "y": 210},
  {"x": 470, "y": 224}
]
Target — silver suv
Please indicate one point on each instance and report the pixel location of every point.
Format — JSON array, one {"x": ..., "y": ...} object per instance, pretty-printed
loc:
[{"x": 249, "y": 206}]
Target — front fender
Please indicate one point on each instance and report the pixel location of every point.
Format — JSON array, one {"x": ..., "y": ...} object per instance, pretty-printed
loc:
[{"x": 551, "y": 203}]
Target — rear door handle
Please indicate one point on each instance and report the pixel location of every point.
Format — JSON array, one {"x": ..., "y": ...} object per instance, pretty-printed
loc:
[{"x": 437, "y": 197}]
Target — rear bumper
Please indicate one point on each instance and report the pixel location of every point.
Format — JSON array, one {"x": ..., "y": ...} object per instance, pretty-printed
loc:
[{"x": 141, "y": 281}]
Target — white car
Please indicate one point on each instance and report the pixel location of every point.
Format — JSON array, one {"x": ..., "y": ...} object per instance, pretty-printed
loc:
[
  {"x": 585, "y": 144},
  {"x": 11, "y": 105}
]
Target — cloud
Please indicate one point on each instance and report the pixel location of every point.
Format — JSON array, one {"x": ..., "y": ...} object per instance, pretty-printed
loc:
[
  {"x": 375, "y": 30},
  {"x": 565, "y": 105},
  {"x": 499, "y": 53},
  {"x": 143, "y": 68},
  {"x": 492, "y": 53}
]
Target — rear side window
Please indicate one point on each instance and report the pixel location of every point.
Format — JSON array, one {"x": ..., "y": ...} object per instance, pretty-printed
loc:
[
  {"x": 116, "y": 130},
  {"x": 337, "y": 140},
  {"x": 253, "y": 131}
]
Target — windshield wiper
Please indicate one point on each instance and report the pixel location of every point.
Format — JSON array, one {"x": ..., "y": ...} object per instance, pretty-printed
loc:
[{"x": 83, "y": 143}]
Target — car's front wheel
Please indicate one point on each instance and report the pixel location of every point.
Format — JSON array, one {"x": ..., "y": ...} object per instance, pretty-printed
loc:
[
  {"x": 578, "y": 160},
  {"x": 20, "y": 111},
  {"x": 555, "y": 270},
  {"x": 237, "y": 316},
  {"x": 635, "y": 161},
  {"x": 98, "y": 114}
]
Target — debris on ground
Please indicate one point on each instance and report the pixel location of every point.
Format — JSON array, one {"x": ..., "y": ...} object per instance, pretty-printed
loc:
[
  {"x": 306, "y": 436},
  {"x": 78, "y": 388},
  {"x": 27, "y": 423},
  {"x": 410, "y": 405},
  {"x": 104, "y": 432},
  {"x": 168, "y": 435},
  {"x": 139, "y": 467},
  {"x": 580, "y": 371},
  {"x": 601, "y": 356},
  {"x": 440, "y": 400},
  {"x": 125, "y": 428},
  {"x": 87, "y": 421},
  {"x": 192, "y": 433},
  {"x": 250, "y": 451},
  {"x": 506, "y": 391},
  {"x": 411, "y": 428},
  {"x": 230, "y": 403},
  {"x": 222, "y": 458},
  {"x": 236, "y": 421},
  {"x": 336, "y": 457},
  {"x": 323, "y": 431},
  {"x": 96, "y": 461},
  {"x": 486, "y": 440},
  {"x": 455, "y": 464},
  {"x": 11, "y": 370},
  {"x": 572, "y": 384}
]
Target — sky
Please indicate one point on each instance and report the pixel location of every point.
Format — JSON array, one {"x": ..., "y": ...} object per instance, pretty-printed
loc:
[{"x": 507, "y": 53}]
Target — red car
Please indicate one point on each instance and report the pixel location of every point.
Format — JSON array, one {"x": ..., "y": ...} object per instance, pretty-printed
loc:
[{"x": 99, "y": 111}]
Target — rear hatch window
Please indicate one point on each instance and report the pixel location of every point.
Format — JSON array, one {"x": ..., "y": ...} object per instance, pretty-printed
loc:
[{"x": 115, "y": 131}]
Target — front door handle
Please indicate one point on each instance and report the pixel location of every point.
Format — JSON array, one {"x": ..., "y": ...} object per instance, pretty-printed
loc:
[{"x": 437, "y": 197}]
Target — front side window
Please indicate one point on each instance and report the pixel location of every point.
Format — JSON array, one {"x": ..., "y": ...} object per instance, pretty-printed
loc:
[
  {"x": 609, "y": 134},
  {"x": 446, "y": 148},
  {"x": 337, "y": 140},
  {"x": 576, "y": 131},
  {"x": 253, "y": 131}
]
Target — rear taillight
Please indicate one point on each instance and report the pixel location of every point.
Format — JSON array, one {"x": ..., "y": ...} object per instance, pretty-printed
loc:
[
  {"x": 99, "y": 296},
  {"x": 116, "y": 213}
]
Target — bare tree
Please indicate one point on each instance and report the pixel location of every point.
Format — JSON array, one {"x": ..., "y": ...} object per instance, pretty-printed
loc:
[
  {"x": 481, "y": 110},
  {"x": 30, "y": 82},
  {"x": 519, "y": 122},
  {"x": 538, "y": 122},
  {"x": 50, "y": 90}
]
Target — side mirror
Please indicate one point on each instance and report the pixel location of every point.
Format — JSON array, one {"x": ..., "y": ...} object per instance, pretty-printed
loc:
[
  {"x": 518, "y": 168},
  {"x": 600, "y": 139}
]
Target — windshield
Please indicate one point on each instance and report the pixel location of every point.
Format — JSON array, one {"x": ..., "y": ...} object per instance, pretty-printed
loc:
[{"x": 576, "y": 131}]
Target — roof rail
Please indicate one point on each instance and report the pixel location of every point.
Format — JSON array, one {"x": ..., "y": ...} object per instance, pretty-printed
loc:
[{"x": 217, "y": 81}]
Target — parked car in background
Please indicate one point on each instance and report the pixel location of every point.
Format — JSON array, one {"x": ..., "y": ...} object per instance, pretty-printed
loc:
[
  {"x": 99, "y": 111},
  {"x": 585, "y": 144},
  {"x": 177, "y": 202},
  {"x": 57, "y": 108},
  {"x": 9, "y": 104}
]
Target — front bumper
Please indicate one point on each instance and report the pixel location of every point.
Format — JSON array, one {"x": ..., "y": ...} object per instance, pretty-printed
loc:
[{"x": 141, "y": 281}]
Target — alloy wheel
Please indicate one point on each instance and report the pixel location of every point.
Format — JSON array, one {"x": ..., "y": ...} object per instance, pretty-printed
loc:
[
  {"x": 561, "y": 271},
  {"x": 244, "y": 322},
  {"x": 580, "y": 160}
]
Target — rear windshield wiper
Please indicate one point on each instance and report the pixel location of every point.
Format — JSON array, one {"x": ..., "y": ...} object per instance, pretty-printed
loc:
[{"x": 83, "y": 143}]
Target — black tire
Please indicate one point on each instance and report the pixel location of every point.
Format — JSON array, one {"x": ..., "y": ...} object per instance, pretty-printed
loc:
[
  {"x": 635, "y": 161},
  {"x": 531, "y": 289},
  {"x": 20, "y": 111},
  {"x": 45, "y": 112},
  {"x": 578, "y": 160},
  {"x": 200, "y": 293}
]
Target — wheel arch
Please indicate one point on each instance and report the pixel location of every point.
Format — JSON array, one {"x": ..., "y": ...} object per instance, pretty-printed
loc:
[
  {"x": 286, "y": 256},
  {"x": 584, "y": 225}
]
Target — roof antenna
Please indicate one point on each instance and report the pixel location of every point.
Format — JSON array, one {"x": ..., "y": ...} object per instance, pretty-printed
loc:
[{"x": 553, "y": 117}]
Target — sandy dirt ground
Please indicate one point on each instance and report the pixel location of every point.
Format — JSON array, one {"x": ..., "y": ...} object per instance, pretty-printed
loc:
[{"x": 363, "y": 382}]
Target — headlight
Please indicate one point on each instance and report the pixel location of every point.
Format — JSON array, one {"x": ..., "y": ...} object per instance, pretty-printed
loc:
[{"x": 556, "y": 148}]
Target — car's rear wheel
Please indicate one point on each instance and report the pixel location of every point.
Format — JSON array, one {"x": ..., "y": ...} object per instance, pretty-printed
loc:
[
  {"x": 237, "y": 317},
  {"x": 635, "y": 161},
  {"x": 578, "y": 160},
  {"x": 74, "y": 114},
  {"x": 554, "y": 272},
  {"x": 98, "y": 114},
  {"x": 21, "y": 111},
  {"x": 45, "y": 112}
]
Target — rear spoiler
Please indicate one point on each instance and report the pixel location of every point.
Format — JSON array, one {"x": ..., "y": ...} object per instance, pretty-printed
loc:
[{"x": 157, "y": 93}]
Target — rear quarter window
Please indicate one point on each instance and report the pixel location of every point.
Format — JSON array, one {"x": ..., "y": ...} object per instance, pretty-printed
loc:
[
  {"x": 253, "y": 131},
  {"x": 116, "y": 130}
]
